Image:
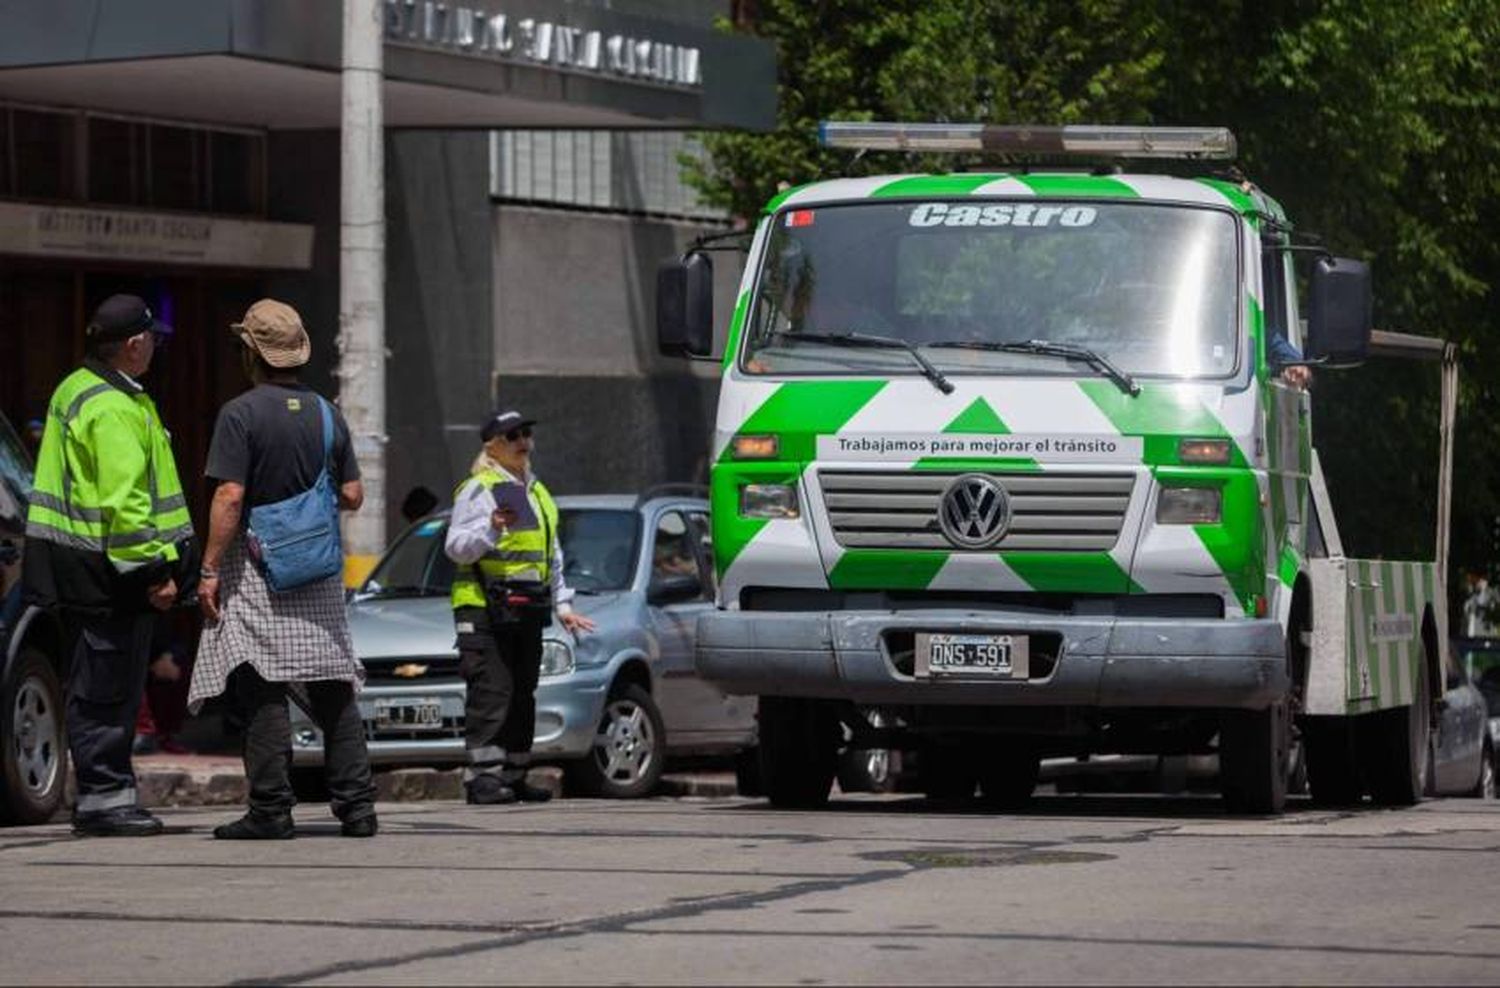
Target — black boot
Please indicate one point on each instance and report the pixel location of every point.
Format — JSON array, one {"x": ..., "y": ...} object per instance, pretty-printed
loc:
[
  {"x": 528, "y": 793},
  {"x": 488, "y": 790},
  {"x": 257, "y": 826},
  {"x": 360, "y": 826},
  {"x": 122, "y": 821}
]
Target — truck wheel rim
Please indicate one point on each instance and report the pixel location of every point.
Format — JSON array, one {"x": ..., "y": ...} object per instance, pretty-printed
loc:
[
  {"x": 625, "y": 750},
  {"x": 34, "y": 746}
]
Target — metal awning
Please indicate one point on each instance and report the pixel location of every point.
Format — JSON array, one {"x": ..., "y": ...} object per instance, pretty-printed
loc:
[{"x": 275, "y": 64}]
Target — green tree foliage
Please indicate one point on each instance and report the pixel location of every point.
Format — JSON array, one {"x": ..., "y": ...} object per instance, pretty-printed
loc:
[{"x": 1376, "y": 124}]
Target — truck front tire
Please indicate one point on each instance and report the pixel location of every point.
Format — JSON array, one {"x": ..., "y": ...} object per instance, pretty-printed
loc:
[
  {"x": 1253, "y": 749},
  {"x": 799, "y": 750}
]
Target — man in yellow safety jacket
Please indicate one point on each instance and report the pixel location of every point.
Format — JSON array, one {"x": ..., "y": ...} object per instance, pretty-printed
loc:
[
  {"x": 107, "y": 540},
  {"x": 503, "y": 536}
]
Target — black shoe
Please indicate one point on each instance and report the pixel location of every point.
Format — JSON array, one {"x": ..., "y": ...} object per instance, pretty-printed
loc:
[
  {"x": 256, "y": 826},
  {"x": 486, "y": 790},
  {"x": 123, "y": 821},
  {"x": 364, "y": 826},
  {"x": 528, "y": 793}
]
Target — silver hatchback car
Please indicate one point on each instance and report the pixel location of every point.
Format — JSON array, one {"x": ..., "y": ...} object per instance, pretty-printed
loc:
[{"x": 611, "y": 705}]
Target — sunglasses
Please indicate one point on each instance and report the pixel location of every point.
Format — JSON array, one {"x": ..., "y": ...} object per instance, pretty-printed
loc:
[{"x": 524, "y": 432}]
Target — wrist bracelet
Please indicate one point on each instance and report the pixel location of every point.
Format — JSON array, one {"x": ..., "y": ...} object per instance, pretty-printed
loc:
[{"x": 206, "y": 573}]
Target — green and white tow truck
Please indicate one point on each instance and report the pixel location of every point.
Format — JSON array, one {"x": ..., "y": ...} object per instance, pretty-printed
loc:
[{"x": 1009, "y": 459}]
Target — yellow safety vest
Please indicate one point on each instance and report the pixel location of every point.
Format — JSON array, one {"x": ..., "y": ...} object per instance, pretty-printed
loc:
[
  {"x": 516, "y": 554},
  {"x": 106, "y": 481}
]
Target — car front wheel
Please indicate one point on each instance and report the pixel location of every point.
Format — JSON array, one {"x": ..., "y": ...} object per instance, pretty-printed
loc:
[
  {"x": 34, "y": 762},
  {"x": 629, "y": 748}
]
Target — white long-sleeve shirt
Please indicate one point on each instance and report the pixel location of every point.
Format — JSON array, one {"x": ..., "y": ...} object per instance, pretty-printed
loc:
[{"x": 470, "y": 534}]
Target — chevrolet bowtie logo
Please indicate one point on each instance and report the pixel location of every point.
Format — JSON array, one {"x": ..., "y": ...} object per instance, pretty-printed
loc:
[{"x": 410, "y": 670}]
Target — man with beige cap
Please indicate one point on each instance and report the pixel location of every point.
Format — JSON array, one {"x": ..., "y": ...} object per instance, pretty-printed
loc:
[{"x": 270, "y": 445}]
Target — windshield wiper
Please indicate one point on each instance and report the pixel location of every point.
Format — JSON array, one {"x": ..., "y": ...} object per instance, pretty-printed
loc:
[
  {"x": 1068, "y": 351},
  {"x": 887, "y": 342}
]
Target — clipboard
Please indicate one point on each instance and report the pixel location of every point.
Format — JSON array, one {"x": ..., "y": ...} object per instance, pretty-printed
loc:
[{"x": 509, "y": 494}]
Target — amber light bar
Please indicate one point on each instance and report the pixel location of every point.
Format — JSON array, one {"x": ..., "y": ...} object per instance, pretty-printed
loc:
[{"x": 1081, "y": 139}]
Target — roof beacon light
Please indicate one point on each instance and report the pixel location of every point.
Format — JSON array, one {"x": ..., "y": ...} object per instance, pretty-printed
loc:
[{"x": 1082, "y": 139}]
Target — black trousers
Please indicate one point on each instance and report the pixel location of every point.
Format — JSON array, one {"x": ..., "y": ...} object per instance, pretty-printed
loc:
[
  {"x": 500, "y": 664},
  {"x": 105, "y": 683},
  {"x": 268, "y": 744}
]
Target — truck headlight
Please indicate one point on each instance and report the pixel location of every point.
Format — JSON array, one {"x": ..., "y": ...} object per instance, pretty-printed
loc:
[
  {"x": 769, "y": 501},
  {"x": 557, "y": 657},
  {"x": 1188, "y": 506}
]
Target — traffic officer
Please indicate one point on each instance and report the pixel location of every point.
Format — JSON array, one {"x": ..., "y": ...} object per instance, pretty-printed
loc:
[
  {"x": 107, "y": 532},
  {"x": 503, "y": 536}
]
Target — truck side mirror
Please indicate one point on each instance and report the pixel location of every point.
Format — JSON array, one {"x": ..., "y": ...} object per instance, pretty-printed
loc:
[
  {"x": 685, "y": 306},
  {"x": 1339, "y": 308}
]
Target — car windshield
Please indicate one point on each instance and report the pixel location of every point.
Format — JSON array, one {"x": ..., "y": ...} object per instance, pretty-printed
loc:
[
  {"x": 1152, "y": 289},
  {"x": 15, "y": 476},
  {"x": 1484, "y": 670},
  {"x": 599, "y": 552}
]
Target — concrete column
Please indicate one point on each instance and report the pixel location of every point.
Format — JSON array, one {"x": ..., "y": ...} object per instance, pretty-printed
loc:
[{"x": 362, "y": 275}]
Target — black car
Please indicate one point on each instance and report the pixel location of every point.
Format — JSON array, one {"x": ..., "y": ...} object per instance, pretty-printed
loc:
[{"x": 33, "y": 746}]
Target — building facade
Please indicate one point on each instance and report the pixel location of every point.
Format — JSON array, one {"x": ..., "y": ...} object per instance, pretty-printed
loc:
[{"x": 188, "y": 151}]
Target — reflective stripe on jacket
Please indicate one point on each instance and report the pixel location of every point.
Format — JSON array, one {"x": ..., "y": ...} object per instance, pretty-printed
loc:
[
  {"x": 106, "y": 482},
  {"x": 518, "y": 555}
]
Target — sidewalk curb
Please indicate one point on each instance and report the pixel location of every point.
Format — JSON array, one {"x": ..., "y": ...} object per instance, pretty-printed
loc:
[{"x": 220, "y": 782}]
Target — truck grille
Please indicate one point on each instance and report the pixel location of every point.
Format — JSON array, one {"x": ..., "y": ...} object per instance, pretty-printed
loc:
[{"x": 1053, "y": 512}]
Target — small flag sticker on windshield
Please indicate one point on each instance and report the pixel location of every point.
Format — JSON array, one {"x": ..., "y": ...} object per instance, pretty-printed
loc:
[{"x": 799, "y": 217}]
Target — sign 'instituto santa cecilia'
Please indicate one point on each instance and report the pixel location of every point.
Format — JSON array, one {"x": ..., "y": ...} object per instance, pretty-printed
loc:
[{"x": 491, "y": 34}]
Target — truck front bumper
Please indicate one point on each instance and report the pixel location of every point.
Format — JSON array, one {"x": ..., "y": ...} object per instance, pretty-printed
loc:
[{"x": 1109, "y": 662}]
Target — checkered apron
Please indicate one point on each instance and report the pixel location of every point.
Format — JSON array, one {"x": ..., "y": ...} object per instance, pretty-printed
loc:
[{"x": 297, "y": 636}]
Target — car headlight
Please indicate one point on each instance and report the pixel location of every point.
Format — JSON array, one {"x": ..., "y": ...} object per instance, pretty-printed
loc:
[
  {"x": 1188, "y": 506},
  {"x": 557, "y": 657}
]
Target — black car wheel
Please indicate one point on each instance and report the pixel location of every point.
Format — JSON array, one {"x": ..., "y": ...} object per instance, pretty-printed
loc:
[{"x": 34, "y": 761}]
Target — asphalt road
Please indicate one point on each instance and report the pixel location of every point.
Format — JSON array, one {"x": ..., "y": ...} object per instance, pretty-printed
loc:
[{"x": 873, "y": 890}]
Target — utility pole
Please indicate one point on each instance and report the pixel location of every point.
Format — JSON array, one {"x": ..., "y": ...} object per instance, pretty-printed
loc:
[{"x": 362, "y": 273}]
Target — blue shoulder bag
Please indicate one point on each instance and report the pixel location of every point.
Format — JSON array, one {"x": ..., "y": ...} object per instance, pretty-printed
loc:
[{"x": 296, "y": 540}]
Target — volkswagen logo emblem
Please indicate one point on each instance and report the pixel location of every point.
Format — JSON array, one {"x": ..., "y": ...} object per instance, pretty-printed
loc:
[{"x": 974, "y": 511}]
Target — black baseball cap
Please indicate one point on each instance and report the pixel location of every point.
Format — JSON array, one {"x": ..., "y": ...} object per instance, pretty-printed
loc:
[
  {"x": 120, "y": 317},
  {"x": 502, "y": 422}
]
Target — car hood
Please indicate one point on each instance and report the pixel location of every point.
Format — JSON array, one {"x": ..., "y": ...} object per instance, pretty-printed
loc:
[{"x": 403, "y": 627}]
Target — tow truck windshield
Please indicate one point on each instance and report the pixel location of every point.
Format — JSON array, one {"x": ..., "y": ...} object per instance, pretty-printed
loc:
[{"x": 984, "y": 286}]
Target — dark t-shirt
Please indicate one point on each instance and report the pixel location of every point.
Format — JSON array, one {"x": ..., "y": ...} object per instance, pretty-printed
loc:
[{"x": 270, "y": 439}]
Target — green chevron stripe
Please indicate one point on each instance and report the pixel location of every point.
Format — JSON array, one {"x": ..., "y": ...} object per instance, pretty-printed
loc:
[
  {"x": 800, "y": 411},
  {"x": 1090, "y": 186},
  {"x": 932, "y": 186},
  {"x": 1160, "y": 416},
  {"x": 886, "y": 569},
  {"x": 1071, "y": 572}
]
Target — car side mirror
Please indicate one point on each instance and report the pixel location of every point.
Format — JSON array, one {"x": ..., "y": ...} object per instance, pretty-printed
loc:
[
  {"x": 685, "y": 306},
  {"x": 1339, "y": 312},
  {"x": 674, "y": 588}
]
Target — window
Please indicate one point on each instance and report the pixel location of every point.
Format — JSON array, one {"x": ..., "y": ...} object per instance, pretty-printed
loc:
[
  {"x": 416, "y": 565},
  {"x": 673, "y": 554},
  {"x": 1153, "y": 288},
  {"x": 703, "y": 535},
  {"x": 15, "y": 479},
  {"x": 599, "y": 548},
  {"x": 116, "y": 161},
  {"x": 175, "y": 165},
  {"x": 42, "y": 162}
]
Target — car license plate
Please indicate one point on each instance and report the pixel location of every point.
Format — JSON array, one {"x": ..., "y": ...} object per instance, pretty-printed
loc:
[
  {"x": 421, "y": 713},
  {"x": 972, "y": 656}
]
